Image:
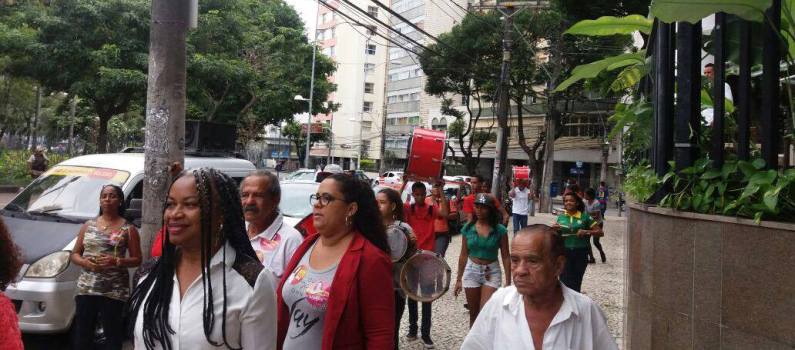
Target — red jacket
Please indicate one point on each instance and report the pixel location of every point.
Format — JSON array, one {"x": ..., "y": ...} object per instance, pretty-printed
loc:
[{"x": 361, "y": 306}]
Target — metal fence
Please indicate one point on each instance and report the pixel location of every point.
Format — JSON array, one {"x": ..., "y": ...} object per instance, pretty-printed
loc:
[{"x": 675, "y": 81}]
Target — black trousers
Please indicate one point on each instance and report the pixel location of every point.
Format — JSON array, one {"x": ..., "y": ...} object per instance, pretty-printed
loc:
[
  {"x": 576, "y": 263},
  {"x": 400, "y": 306},
  {"x": 425, "y": 329},
  {"x": 92, "y": 308},
  {"x": 598, "y": 246}
]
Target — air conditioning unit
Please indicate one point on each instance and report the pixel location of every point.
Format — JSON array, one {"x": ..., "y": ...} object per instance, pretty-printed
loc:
[{"x": 203, "y": 136}]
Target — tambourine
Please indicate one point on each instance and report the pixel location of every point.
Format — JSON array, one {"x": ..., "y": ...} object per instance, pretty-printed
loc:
[
  {"x": 401, "y": 246},
  {"x": 425, "y": 276}
]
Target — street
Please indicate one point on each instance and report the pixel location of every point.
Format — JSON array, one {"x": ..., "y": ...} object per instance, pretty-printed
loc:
[{"x": 603, "y": 282}]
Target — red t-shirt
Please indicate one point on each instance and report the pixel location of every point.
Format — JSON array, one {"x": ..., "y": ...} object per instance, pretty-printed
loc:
[
  {"x": 469, "y": 204},
  {"x": 421, "y": 220}
]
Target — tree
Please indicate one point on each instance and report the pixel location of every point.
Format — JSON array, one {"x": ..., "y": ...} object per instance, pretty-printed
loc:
[
  {"x": 96, "y": 49},
  {"x": 247, "y": 60},
  {"x": 296, "y": 133},
  {"x": 465, "y": 64}
]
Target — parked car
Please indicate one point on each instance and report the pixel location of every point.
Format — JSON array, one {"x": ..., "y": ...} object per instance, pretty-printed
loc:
[
  {"x": 45, "y": 217},
  {"x": 294, "y": 204},
  {"x": 301, "y": 175},
  {"x": 362, "y": 176},
  {"x": 391, "y": 178}
]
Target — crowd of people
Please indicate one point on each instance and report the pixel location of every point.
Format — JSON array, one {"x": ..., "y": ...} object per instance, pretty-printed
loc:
[{"x": 228, "y": 273}]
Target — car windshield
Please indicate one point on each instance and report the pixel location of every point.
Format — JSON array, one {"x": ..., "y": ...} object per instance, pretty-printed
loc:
[
  {"x": 302, "y": 176},
  {"x": 295, "y": 199},
  {"x": 69, "y": 191}
]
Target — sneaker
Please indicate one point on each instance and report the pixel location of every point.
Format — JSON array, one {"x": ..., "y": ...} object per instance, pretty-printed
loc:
[
  {"x": 428, "y": 343},
  {"x": 411, "y": 336}
]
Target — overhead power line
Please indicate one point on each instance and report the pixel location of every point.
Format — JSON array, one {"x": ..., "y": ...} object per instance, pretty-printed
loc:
[
  {"x": 348, "y": 17},
  {"x": 388, "y": 26}
]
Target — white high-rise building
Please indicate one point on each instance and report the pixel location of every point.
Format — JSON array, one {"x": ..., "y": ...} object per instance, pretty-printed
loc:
[
  {"x": 361, "y": 67},
  {"x": 408, "y": 106}
]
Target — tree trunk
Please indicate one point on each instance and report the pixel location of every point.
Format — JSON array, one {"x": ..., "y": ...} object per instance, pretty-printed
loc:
[
  {"x": 102, "y": 135},
  {"x": 549, "y": 155},
  {"x": 165, "y": 110},
  {"x": 32, "y": 139},
  {"x": 605, "y": 154}
]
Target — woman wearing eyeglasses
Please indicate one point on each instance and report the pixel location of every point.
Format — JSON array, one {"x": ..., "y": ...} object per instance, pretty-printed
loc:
[{"x": 336, "y": 293}]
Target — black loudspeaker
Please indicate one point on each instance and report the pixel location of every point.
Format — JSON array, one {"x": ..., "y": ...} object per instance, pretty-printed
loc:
[{"x": 203, "y": 136}]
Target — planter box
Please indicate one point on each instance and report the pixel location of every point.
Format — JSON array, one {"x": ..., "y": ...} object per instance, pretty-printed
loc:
[{"x": 700, "y": 281}]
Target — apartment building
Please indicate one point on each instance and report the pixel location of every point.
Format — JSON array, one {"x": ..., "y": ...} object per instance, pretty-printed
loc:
[
  {"x": 407, "y": 104},
  {"x": 361, "y": 67}
]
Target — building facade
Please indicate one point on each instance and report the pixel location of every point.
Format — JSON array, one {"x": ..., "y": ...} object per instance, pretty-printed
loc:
[
  {"x": 407, "y": 104},
  {"x": 360, "y": 57}
]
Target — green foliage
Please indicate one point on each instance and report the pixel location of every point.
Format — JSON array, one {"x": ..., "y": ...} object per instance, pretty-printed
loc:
[
  {"x": 593, "y": 69},
  {"x": 610, "y": 25},
  {"x": 14, "y": 166},
  {"x": 670, "y": 11},
  {"x": 738, "y": 188},
  {"x": 296, "y": 133},
  {"x": 641, "y": 182},
  {"x": 367, "y": 165}
]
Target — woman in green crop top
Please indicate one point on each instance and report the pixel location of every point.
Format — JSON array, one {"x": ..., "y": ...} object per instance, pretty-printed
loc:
[
  {"x": 478, "y": 267},
  {"x": 576, "y": 227}
]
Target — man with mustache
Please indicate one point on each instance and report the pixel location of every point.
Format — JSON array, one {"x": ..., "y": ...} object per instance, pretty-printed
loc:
[
  {"x": 272, "y": 240},
  {"x": 538, "y": 311}
]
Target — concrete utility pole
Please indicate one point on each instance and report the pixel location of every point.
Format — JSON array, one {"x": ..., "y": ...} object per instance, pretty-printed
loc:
[
  {"x": 165, "y": 109},
  {"x": 508, "y": 10}
]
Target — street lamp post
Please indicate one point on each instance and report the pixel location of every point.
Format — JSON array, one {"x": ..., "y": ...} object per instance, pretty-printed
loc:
[{"x": 311, "y": 91}]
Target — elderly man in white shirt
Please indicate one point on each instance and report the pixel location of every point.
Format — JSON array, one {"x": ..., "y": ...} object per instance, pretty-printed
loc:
[
  {"x": 273, "y": 241},
  {"x": 537, "y": 311}
]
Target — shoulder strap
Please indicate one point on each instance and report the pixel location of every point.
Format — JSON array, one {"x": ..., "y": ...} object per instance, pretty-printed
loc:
[{"x": 247, "y": 267}]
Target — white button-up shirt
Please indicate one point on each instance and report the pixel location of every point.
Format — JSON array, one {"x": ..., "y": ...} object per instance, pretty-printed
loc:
[
  {"x": 276, "y": 245},
  {"x": 250, "y": 311},
  {"x": 502, "y": 324}
]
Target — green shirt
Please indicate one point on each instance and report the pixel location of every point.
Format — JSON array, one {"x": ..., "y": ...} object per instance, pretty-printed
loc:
[
  {"x": 570, "y": 224},
  {"x": 480, "y": 247}
]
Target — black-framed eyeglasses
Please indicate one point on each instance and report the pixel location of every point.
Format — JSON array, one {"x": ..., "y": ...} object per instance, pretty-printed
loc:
[{"x": 324, "y": 199}]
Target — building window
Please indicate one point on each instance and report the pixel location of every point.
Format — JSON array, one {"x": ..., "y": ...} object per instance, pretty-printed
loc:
[
  {"x": 372, "y": 10},
  {"x": 369, "y": 67},
  {"x": 370, "y": 49},
  {"x": 371, "y": 30},
  {"x": 367, "y": 106},
  {"x": 367, "y": 125},
  {"x": 464, "y": 99},
  {"x": 368, "y": 88},
  {"x": 365, "y": 146},
  {"x": 415, "y": 120}
]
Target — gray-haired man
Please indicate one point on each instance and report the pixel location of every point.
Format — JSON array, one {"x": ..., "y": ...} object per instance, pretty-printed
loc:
[{"x": 272, "y": 240}]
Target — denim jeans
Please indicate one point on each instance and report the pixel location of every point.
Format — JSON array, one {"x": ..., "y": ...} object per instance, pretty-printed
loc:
[
  {"x": 519, "y": 222},
  {"x": 442, "y": 241},
  {"x": 426, "y": 318}
]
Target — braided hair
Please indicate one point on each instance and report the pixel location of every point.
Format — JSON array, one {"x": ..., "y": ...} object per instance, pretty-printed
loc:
[
  {"x": 221, "y": 222},
  {"x": 367, "y": 219}
]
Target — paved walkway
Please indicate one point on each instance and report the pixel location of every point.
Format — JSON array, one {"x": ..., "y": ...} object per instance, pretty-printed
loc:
[{"x": 603, "y": 283}]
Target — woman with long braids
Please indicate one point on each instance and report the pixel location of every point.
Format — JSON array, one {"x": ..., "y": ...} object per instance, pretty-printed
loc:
[
  {"x": 391, "y": 207},
  {"x": 336, "y": 293},
  {"x": 576, "y": 227},
  {"x": 482, "y": 239},
  {"x": 207, "y": 290},
  {"x": 104, "y": 285}
]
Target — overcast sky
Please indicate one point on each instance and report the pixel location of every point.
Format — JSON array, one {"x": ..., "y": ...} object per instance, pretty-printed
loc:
[{"x": 307, "y": 9}]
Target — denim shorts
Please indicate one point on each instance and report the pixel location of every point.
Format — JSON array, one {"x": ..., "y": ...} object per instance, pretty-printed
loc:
[{"x": 476, "y": 275}]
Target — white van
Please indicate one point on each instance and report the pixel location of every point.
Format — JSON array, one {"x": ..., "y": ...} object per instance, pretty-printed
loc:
[{"x": 44, "y": 220}]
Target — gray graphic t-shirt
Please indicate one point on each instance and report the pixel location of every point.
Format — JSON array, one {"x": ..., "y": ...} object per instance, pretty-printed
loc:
[{"x": 306, "y": 293}]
